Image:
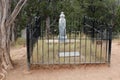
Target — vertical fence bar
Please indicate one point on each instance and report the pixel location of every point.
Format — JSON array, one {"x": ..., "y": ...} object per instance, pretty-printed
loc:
[
  {"x": 96, "y": 47},
  {"x": 59, "y": 49},
  {"x": 75, "y": 48},
  {"x": 31, "y": 42},
  {"x": 64, "y": 45},
  {"x": 90, "y": 50},
  {"x": 107, "y": 38},
  {"x": 85, "y": 47},
  {"x": 48, "y": 47},
  {"x": 28, "y": 45},
  {"x": 79, "y": 40},
  {"x": 93, "y": 29},
  {"x": 42, "y": 32},
  {"x": 37, "y": 52},
  {"x": 69, "y": 45},
  {"x": 110, "y": 45},
  {"x": 35, "y": 36},
  {"x": 101, "y": 42},
  {"x": 53, "y": 46},
  {"x": 80, "y": 45}
]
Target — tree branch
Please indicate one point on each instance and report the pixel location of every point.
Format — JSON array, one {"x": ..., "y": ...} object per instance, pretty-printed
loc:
[
  {"x": 53, "y": 22},
  {"x": 15, "y": 12},
  {"x": 0, "y": 11},
  {"x": 3, "y": 5}
]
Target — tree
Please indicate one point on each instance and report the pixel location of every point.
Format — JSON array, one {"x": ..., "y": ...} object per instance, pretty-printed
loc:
[
  {"x": 6, "y": 19},
  {"x": 117, "y": 28},
  {"x": 48, "y": 10}
]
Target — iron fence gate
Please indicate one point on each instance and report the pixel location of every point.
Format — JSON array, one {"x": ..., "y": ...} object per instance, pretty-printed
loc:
[{"x": 90, "y": 43}]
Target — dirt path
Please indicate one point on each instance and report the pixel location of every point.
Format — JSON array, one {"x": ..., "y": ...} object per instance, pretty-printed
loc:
[{"x": 82, "y": 73}]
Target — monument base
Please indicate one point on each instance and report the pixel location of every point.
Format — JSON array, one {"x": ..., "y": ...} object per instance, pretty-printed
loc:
[{"x": 62, "y": 38}]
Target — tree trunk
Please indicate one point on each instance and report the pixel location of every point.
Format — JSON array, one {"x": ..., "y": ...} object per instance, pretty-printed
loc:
[
  {"x": 47, "y": 26},
  {"x": 5, "y": 45},
  {"x": 2, "y": 63},
  {"x": 5, "y": 24},
  {"x": 4, "y": 35}
]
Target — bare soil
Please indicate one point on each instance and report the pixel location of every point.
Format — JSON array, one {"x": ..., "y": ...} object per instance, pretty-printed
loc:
[{"x": 83, "y": 72}]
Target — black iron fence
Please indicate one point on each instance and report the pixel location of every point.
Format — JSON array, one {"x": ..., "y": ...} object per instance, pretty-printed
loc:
[{"x": 87, "y": 43}]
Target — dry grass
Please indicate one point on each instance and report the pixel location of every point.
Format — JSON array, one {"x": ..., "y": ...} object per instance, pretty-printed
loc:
[
  {"x": 20, "y": 42},
  {"x": 45, "y": 52}
]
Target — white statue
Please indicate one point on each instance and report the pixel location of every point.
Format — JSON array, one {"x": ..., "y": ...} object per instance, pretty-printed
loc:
[{"x": 62, "y": 27}]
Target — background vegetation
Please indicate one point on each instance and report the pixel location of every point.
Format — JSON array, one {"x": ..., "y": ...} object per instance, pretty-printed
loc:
[{"x": 49, "y": 10}]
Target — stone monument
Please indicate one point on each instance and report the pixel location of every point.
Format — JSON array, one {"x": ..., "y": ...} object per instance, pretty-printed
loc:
[
  {"x": 23, "y": 33},
  {"x": 62, "y": 27}
]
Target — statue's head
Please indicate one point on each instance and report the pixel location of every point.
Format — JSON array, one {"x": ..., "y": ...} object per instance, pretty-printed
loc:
[{"x": 62, "y": 15}]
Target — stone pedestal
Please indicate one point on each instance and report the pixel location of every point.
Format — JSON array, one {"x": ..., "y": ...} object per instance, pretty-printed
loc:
[{"x": 62, "y": 38}]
